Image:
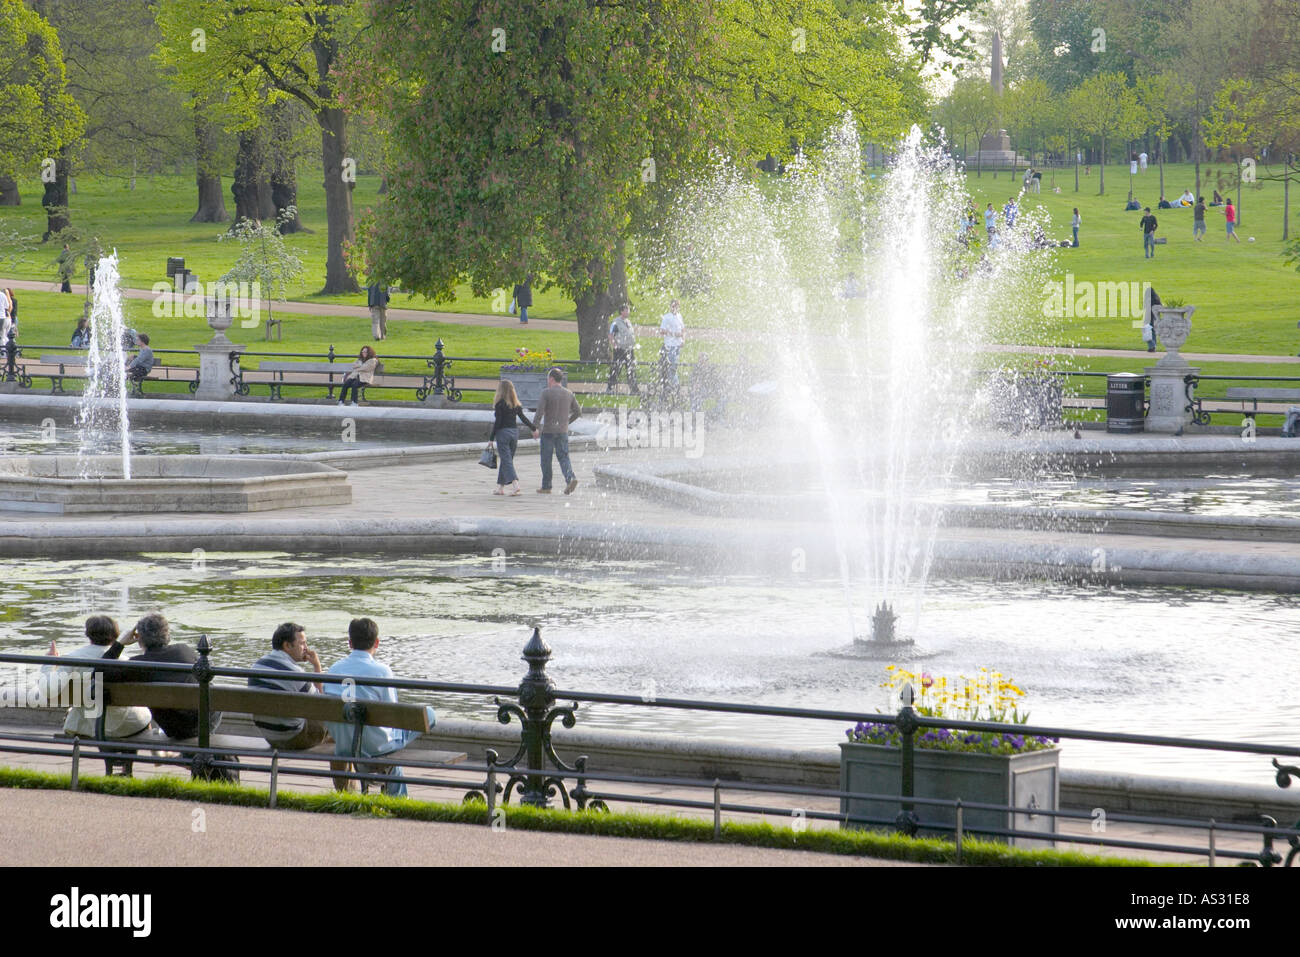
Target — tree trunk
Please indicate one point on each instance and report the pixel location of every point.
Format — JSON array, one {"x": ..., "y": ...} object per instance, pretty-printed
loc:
[
  {"x": 597, "y": 304},
  {"x": 9, "y": 192},
  {"x": 212, "y": 201},
  {"x": 1286, "y": 200},
  {"x": 284, "y": 176},
  {"x": 338, "y": 200},
  {"x": 55, "y": 200},
  {"x": 252, "y": 187},
  {"x": 1102, "y": 166}
]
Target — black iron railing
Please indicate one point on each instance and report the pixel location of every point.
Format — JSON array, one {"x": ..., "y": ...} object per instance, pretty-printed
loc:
[{"x": 538, "y": 774}]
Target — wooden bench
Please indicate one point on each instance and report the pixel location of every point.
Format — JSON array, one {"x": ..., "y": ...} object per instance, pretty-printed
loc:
[
  {"x": 263, "y": 703},
  {"x": 60, "y": 367},
  {"x": 1255, "y": 396},
  {"x": 328, "y": 374}
]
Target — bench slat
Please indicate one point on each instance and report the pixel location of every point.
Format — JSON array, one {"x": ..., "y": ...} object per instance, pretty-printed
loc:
[
  {"x": 288, "y": 704},
  {"x": 1278, "y": 395}
]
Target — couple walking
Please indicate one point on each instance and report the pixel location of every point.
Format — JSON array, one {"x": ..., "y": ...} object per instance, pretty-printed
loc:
[{"x": 556, "y": 409}]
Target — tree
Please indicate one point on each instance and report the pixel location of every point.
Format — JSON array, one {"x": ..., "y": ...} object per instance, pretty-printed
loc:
[
  {"x": 1160, "y": 97},
  {"x": 212, "y": 201},
  {"x": 262, "y": 51},
  {"x": 1032, "y": 112},
  {"x": 973, "y": 109},
  {"x": 543, "y": 140},
  {"x": 1105, "y": 107},
  {"x": 134, "y": 119},
  {"x": 38, "y": 118},
  {"x": 263, "y": 257}
]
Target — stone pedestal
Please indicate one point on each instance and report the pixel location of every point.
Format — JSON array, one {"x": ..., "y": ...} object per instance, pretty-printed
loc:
[
  {"x": 214, "y": 369},
  {"x": 1168, "y": 411},
  {"x": 1169, "y": 408}
]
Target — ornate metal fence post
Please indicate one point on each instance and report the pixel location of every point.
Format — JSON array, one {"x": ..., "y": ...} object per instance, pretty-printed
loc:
[
  {"x": 201, "y": 766},
  {"x": 536, "y": 712},
  {"x": 439, "y": 369},
  {"x": 907, "y": 727},
  {"x": 536, "y": 697}
]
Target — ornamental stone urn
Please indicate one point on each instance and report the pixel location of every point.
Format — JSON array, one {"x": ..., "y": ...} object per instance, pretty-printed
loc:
[
  {"x": 1171, "y": 397},
  {"x": 215, "y": 372}
]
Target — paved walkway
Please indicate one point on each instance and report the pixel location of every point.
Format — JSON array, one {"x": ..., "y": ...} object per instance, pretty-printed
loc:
[
  {"x": 1187, "y": 837},
  {"x": 569, "y": 325},
  {"x": 47, "y": 829}
]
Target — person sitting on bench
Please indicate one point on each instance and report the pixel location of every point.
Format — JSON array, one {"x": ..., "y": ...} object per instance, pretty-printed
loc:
[
  {"x": 288, "y": 650},
  {"x": 119, "y": 722},
  {"x": 363, "y": 638},
  {"x": 154, "y": 635},
  {"x": 142, "y": 364}
]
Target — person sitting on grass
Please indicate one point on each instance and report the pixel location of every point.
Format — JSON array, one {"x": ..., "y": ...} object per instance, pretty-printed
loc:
[{"x": 1164, "y": 204}]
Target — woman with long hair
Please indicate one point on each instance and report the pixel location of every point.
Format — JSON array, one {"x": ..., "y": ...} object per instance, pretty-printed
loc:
[
  {"x": 505, "y": 433},
  {"x": 361, "y": 373}
]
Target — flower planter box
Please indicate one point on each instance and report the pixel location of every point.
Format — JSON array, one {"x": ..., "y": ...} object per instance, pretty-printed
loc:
[
  {"x": 528, "y": 385},
  {"x": 1029, "y": 780}
]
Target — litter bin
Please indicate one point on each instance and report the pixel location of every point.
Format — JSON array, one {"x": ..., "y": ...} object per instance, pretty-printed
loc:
[
  {"x": 175, "y": 264},
  {"x": 1125, "y": 397}
]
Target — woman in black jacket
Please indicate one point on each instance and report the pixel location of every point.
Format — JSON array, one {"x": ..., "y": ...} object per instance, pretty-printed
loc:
[{"x": 505, "y": 433}]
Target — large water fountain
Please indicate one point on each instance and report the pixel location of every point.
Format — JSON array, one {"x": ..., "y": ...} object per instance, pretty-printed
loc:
[{"x": 865, "y": 300}]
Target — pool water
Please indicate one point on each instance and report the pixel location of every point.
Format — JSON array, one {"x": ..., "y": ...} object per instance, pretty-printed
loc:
[{"x": 1146, "y": 660}]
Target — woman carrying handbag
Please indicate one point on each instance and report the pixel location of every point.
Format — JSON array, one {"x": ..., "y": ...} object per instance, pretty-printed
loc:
[{"x": 505, "y": 434}]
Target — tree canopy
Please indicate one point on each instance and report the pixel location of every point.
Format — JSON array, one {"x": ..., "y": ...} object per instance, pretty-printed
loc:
[{"x": 539, "y": 140}]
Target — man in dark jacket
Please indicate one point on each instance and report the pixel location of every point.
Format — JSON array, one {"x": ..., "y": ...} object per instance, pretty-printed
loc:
[
  {"x": 377, "y": 300},
  {"x": 154, "y": 636},
  {"x": 524, "y": 298}
]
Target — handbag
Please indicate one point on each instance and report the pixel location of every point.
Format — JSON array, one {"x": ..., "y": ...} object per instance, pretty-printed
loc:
[{"x": 489, "y": 457}]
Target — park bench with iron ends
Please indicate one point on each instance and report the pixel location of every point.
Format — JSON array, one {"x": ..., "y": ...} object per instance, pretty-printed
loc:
[
  {"x": 74, "y": 367},
  {"x": 1257, "y": 395},
  {"x": 253, "y": 701}
]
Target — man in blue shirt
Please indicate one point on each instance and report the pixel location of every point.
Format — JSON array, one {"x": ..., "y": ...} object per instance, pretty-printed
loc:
[{"x": 363, "y": 637}]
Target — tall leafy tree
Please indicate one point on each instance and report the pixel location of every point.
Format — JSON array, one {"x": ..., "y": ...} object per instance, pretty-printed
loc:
[
  {"x": 1106, "y": 108},
  {"x": 539, "y": 140},
  {"x": 259, "y": 52},
  {"x": 39, "y": 119}
]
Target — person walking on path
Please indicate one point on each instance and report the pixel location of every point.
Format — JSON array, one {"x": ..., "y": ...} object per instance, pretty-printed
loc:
[
  {"x": 1149, "y": 224},
  {"x": 67, "y": 263},
  {"x": 1230, "y": 218},
  {"x": 361, "y": 373},
  {"x": 524, "y": 299},
  {"x": 555, "y": 410},
  {"x": 377, "y": 299},
  {"x": 1075, "y": 223},
  {"x": 1198, "y": 220},
  {"x": 622, "y": 350},
  {"x": 505, "y": 434}
]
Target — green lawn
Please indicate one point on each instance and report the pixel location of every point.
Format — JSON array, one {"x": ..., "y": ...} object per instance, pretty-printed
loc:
[
  {"x": 1245, "y": 296},
  {"x": 1244, "y": 293},
  {"x": 151, "y": 223}
]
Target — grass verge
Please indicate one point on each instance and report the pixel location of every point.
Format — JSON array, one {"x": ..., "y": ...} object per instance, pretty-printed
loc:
[{"x": 621, "y": 824}]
